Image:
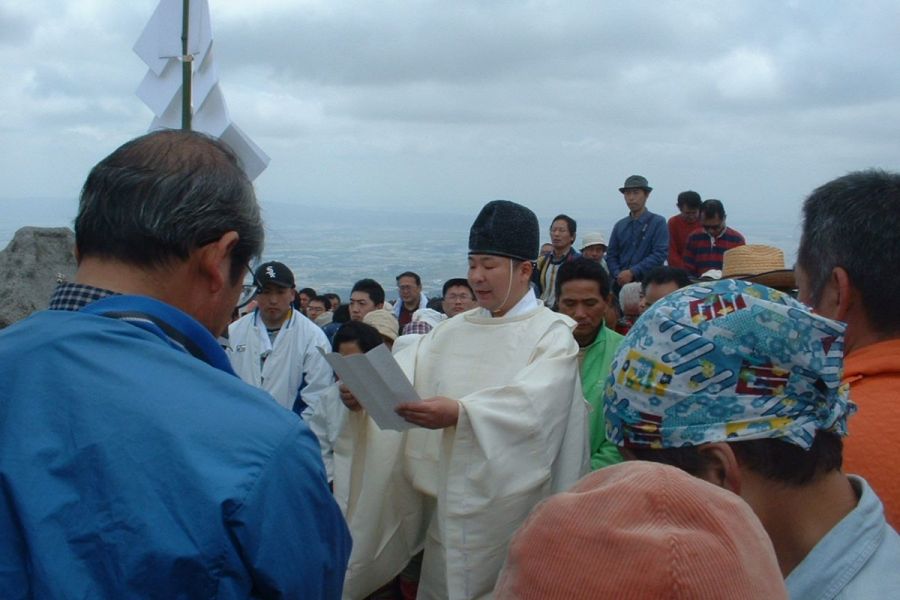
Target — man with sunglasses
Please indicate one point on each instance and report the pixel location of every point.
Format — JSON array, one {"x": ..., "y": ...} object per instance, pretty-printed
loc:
[{"x": 706, "y": 246}]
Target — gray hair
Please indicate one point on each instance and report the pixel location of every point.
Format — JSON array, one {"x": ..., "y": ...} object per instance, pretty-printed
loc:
[
  {"x": 853, "y": 222},
  {"x": 630, "y": 295},
  {"x": 162, "y": 195}
]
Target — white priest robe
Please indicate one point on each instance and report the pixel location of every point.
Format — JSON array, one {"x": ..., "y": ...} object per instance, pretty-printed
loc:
[
  {"x": 292, "y": 360},
  {"x": 461, "y": 492}
]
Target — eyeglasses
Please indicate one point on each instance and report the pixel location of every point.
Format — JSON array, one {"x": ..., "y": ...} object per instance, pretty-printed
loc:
[
  {"x": 249, "y": 290},
  {"x": 455, "y": 297}
]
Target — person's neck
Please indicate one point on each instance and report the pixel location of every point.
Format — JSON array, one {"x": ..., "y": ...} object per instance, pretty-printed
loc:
[
  {"x": 637, "y": 215},
  {"x": 412, "y": 305},
  {"x": 798, "y": 517},
  {"x": 511, "y": 302},
  {"x": 273, "y": 324},
  {"x": 125, "y": 279},
  {"x": 860, "y": 334},
  {"x": 586, "y": 340},
  {"x": 560, "y": 254}
]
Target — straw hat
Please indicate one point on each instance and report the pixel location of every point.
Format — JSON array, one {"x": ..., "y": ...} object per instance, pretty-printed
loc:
[
  {"x": 760, "y": 264},
  {"x": 595, "y": 238}
]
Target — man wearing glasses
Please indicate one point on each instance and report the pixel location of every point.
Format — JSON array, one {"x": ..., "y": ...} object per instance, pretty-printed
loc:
[
  {"x": 135, "y": 464},
  {"x": 706, "y": 246}
]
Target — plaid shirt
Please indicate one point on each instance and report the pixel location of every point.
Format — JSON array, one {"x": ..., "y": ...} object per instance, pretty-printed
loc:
[
  {"x": 416, "y": 327},
  {"x": 75, "y": 296}
]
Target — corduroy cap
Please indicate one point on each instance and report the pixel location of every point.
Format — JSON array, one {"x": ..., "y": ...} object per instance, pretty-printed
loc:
[
  {"x": 504, "y": 228},
  {"x": 641, "y": 530},
  {"x": 636, "y": 181},
  {"x": 384, "y": 321}
]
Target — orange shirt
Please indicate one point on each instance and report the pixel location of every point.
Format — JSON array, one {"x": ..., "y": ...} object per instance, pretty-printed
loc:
[{"x": 872, "y": 449}]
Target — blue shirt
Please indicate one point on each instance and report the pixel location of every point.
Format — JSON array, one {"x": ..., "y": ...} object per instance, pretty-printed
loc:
[
  {"x": 638, "y": 244},
  {"x": 135, "y": 464},
  {"x": 859, "y": 558}
]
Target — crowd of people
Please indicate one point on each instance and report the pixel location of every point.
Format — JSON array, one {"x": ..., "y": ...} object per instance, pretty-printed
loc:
[{"x": 673, "y": 414}]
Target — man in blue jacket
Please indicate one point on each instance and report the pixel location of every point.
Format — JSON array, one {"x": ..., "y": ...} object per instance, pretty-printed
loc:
[
  {"x": 638, "y": 242},
  {"x": 133, "y": 462}
]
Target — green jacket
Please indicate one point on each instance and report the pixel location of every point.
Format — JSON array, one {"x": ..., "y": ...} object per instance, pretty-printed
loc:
[{"x": 595, "y": 361}]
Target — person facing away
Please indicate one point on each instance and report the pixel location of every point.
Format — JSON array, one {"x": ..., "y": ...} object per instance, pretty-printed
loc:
[
  {"x": 276, "y": 348},
  {"x": 682, "y": 225},
  {"x": 135, "y": 463},
  {"x": 411, "y": 298},
  {"x": 502, "y": 426},
  {"x": 562, "y": 237},
  {"x": 706, "y": 245},
  {"x": 583, "y": 292},
  {"x": 846, "y": 270},
  {"x": 638, "y": 242},
  {"x": 641, "y": 531},
  {"x": 740, "y": 384},
  {"x": 660, "y": 282}
]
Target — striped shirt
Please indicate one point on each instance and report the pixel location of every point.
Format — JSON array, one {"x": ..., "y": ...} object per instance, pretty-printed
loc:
[{"x": 704, "y": 252}]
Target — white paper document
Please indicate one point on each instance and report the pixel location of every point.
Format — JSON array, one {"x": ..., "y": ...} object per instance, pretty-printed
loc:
[{"x": 378, "y": 383}]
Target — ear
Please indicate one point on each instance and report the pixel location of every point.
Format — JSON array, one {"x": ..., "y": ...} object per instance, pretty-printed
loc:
[
  {"x": 215, "y": 261},
  {"x": 722, "y": 469},
  {"x": 526, "y": 268},
  {"x": 836, "y": 299}
]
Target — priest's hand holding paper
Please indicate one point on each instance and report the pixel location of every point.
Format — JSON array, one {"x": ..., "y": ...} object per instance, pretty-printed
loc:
[
  {"x": 432, "y": 413},
  {"x": 348, "y": 398}
]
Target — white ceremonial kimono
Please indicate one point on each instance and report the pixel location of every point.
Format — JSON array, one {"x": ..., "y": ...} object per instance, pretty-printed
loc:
[
  {"x": 292, "y": 358},
  {"x": 327, "y": 420},
  {"x": 522, "y": 435}
]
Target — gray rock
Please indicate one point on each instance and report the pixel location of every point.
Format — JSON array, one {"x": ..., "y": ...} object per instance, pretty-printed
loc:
[{"x": 30, "y": 267}]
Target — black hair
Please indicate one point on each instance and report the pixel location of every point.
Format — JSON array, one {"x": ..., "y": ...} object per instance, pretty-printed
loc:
[
  {"x": 310, "y": 293},
  {"x": 457, "y": 282},
  {"x": 712, "y": 208},
  {"x": 164, "y": 194},
  {"x": 365, "y": 336},
  {"x": 570, "y": 223},
  {"x": 321, "y": 299},
  {"x": 583, "y": 268},
  {"x": 372, "y": 288},
  {"x": 853, "y": 222},
  {"x": 689, "y": 199},
  {"x": 410, "y": 274},
  {"x": 332, "y": 296},
  {"x": 663, "y": 274},
  {"x": 774, "y": 459}
]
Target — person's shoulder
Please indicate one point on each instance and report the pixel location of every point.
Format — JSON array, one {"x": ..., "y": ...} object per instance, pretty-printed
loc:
[
  {"x": 241, "y": 325},
  {"x": 652, "y": 217},
  {"x": 735, "y": 235}
]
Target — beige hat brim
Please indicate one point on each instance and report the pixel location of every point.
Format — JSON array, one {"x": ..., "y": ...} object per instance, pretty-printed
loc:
[{"x": 780, "y": 279}]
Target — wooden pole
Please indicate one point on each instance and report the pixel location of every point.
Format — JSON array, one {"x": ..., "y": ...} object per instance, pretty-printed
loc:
[{"x": 186, "y": 65}]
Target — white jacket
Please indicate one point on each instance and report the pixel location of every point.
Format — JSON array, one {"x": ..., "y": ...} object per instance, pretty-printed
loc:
[{"x": 293, "y": 366}]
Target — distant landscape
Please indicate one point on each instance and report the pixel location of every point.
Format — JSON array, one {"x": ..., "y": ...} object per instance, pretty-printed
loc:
[{"x": 329, "y": 248}]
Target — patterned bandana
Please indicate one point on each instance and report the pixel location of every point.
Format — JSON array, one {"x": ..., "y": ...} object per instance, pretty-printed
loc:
[{"x": 727, "y": 360}]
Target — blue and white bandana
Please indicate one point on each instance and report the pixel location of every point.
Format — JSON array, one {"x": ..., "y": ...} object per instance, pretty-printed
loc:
[{"x": 727, "y": 360}]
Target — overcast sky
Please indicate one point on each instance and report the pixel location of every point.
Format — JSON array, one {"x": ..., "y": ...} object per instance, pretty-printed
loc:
[{"x": 444, "y": 105}]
